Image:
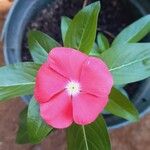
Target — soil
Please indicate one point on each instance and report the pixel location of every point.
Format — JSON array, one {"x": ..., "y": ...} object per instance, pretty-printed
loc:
[{"x": 114, "y": 16}]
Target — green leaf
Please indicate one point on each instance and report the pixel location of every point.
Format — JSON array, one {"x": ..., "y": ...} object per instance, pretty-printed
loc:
[
  {"x": 134, "y": 32},
  {"x": 65, "y": 22},
  {"x": 119, "y": 105},
  {"x": 17, "y": 79},
  {"x": 102, "y": 41},
  {"x": 22, "y": 134},
  {"x": 40, "y": 44},
  {"x": 82, "y": 29},
  {"x": 91, "y": 137},
  {"x": 129, "y": 62},
  {"x": 37, "y": 128},
  {"x": 95, "y": 51}
]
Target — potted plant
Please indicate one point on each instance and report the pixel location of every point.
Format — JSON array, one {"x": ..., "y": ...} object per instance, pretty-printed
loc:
[
  {"x": 48, "y": 21},
  {"x": 120, "y": 63}
]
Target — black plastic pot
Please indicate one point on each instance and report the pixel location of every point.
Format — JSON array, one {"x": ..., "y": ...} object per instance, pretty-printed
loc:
[{"x": 13, "y": 32}]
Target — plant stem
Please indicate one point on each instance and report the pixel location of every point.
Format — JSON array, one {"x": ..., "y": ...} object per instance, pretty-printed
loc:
[
  {"x": 85, "y": 3},
  {"x": 106, "y": 32}
]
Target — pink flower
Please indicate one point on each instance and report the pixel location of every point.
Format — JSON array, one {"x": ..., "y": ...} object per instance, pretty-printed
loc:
[{"x": 72, "y": 87}]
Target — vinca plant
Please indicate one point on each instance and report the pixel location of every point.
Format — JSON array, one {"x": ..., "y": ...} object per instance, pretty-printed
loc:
[{"x": 75, "y": 82}]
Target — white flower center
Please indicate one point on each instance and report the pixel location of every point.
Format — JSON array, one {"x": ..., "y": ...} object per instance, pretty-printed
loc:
[{"x": 73, "y": 88}]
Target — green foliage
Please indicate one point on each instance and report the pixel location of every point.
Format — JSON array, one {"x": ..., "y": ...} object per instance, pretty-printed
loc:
[
  {"x": 103, "y": 42},
  {"x": 82, "y": 29},
  {"x": 32, "y": 128},
  {"x": 22, "y": 134},
  {"x": 128, "y": 62},
  {"x": 90, "y": 137},
  {"x": 37, "y": 128},
  {"x": 134, "y": 32},
  {"x": 65, "y": 22},
  {"x": 95, "y": 51},
  {"x": 17, "y": 80},
  {"x": 119, "y": 105},
  {"x": 40, "y": 45}
]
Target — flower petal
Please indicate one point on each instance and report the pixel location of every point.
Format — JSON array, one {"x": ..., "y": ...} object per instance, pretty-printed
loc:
[
  {"x": 95, "y": 77},
  {"x": 87, "y": 107},
  {"x": 67, "y": 61},
  {"x": 57, "y": 112},
  {"x": 48, "y": 83}
]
